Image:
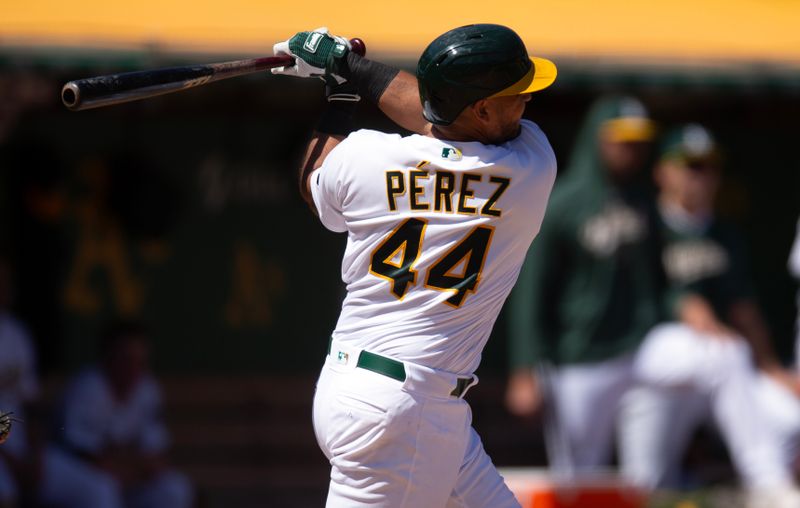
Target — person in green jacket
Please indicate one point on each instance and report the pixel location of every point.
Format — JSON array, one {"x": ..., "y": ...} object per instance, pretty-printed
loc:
[{"x": 588, "y": 292}]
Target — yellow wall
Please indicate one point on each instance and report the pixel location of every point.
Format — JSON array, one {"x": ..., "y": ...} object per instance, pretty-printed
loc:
[{"x": 737, "y": 29}]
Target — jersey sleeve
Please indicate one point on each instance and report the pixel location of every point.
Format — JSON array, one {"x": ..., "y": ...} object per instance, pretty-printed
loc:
[{"x": 328, "y": 187}]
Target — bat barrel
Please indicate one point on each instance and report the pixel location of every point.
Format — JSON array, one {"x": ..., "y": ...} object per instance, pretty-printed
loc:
[{"x": 118, "y": 88}]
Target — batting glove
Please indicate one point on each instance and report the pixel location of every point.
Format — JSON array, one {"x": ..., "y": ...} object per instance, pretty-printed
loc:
[{"x": 316, "y": 54}]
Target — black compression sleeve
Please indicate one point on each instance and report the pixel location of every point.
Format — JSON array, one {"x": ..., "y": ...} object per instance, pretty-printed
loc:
[
  {"x": 372, "y": 78},
  {"x": 337, "y": 119}
]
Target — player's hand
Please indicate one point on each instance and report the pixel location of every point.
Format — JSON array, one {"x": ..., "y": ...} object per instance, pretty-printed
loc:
[
  {"x": 316, "y": 54},
  {"x": 523, "y": 394},
  {"x": 785, "y": 378},
  {"x": 695, "y": 312}
]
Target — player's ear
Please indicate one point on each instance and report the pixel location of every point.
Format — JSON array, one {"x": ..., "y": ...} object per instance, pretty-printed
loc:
[{"x": 482, "y": 110}]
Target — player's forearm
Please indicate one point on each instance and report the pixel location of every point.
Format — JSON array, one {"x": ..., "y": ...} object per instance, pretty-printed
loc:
[
  {"x": 401, "y": 103},
  {"x": 746, "y": 318},
  {"x": 318, "y": 148},
  {"x": 394, "y": 91}
]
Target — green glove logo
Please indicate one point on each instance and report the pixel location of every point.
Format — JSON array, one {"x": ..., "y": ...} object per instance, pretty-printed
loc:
[{"x": 312, "y": 42}]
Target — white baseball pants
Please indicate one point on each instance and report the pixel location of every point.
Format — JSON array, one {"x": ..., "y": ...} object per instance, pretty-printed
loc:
[
  {"x": 396, "y": 444},
  {"x": 682, "y": 376},
  {"x": 584, "y": 400}
]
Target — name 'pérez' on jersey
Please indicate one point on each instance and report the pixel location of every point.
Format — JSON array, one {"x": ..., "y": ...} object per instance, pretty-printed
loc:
[{"x": 446, "y": 184}]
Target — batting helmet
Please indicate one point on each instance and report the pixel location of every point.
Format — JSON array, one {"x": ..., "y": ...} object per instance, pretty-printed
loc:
[{"x": 474, "y": 62}]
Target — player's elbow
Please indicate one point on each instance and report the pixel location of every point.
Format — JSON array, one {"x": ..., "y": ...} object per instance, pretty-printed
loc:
[{"x": 304, "y": 187}]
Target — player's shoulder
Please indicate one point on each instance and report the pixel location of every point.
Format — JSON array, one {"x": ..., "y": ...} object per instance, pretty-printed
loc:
[
  {"x": 89, "y": 382},
  {"x": 532, "y": 140},
  {"x": 14, "y": 333},
  {"x": 361, "y": 145},
  {"x": 532, "y": 150},
  {"x": 368, "y": 137},
  {"x": 531, "y": 128}
]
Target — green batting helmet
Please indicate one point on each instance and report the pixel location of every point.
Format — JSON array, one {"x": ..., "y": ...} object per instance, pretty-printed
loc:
[{"x": 474, "y": 62}]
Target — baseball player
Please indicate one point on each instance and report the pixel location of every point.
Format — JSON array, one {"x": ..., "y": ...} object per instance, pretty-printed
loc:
[
  {"x": 587, "y": 294},
  {"x": 438, "y": 224},
  {"x": 701, "y": 362},
  {"x": 50, "y": 476},
  {"x": 18, "y": 388},
  {"x": 112, "y": 422}
]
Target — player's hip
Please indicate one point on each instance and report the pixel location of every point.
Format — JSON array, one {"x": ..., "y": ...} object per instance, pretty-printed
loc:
[{"x": 363, "y": 417}]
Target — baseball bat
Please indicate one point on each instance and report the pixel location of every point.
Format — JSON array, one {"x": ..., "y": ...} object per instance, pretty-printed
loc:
[{"x": 131, "y": 86}]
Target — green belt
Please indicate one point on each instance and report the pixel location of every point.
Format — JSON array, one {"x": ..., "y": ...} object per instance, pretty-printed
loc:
[{"x": 394, "y": 369}]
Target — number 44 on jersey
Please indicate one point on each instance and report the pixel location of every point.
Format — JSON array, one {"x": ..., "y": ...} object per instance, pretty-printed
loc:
[{"x": 395, "y": 257}]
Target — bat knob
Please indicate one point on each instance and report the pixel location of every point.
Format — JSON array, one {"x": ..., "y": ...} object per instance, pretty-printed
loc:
[{"x": 357, "y": 46}]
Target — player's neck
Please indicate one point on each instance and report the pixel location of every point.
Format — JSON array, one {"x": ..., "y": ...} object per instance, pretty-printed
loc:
[
  {"x": 466, "y": 132},
  {"x": 451, "y": 133}
]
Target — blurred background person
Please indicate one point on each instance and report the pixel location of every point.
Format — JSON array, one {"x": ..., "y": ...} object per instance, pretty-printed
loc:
[
  {"x": 32, "y": 473},
  {"x": 587, "y": 293},
  {"x": 112, "y": 420},
  {"x": 705, "y": 359},
  {"x": 18, "y": 389}
]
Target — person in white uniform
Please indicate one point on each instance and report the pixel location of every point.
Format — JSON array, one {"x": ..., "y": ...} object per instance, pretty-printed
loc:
[
  {"x": 27, "y": 464},
  {"x": 112, "y": 420},
  {"x": 715, "y": 355},
  {"x": 437, "y": 224},
  {"x": 19, "y": 387}
]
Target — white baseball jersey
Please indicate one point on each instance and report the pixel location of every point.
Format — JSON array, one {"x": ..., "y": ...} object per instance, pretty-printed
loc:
[
  {"x": 437, "y": 233},
  {"x": 94, "y": 419}
]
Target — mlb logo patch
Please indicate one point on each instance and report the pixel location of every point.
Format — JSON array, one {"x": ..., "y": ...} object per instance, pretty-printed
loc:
[
  {"x": 342, "y": 358},
  {"x": 451, "y": 154}
]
